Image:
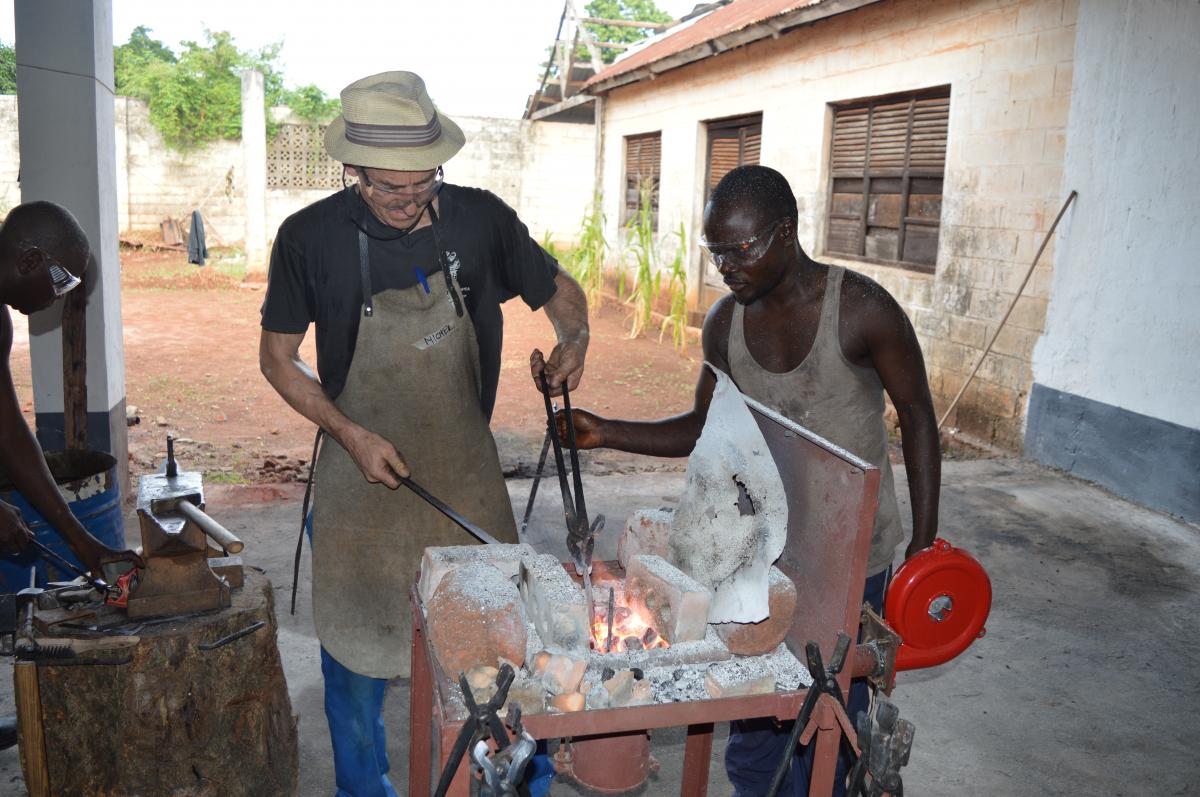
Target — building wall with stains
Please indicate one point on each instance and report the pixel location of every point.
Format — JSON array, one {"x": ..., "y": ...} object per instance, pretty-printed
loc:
[{"x": 1009, "y": 65}]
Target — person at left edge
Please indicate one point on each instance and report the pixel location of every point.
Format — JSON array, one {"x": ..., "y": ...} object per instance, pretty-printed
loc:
[{"x": 403, "y": 276}]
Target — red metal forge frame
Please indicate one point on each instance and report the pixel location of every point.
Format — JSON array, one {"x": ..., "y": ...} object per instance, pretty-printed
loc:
[{"x": 831, "y": 496}]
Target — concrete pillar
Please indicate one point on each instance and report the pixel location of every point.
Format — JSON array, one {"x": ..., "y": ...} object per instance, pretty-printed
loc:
[
  {"x": 65, "y": 92},
  {"x": 254, "y": 154}
]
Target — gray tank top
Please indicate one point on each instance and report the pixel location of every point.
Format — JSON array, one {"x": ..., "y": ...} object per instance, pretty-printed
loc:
[{"x": 833, "y": 397}]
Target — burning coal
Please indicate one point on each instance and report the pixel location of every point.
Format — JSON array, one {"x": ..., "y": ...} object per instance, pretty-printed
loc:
[{"x": 630, "y": 630}]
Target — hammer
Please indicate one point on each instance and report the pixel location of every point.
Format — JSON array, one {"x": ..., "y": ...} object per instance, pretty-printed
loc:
[{"x": 216, "y": 532}]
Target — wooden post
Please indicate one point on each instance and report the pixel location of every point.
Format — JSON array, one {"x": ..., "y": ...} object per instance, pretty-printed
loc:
[
  {"x": 29, "y": 726},
  {"x": 74, "y": 363}
]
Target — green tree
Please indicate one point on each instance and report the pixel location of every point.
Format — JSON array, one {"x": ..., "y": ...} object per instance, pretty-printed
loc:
[
  {"x": 312, "y": 104},
  {"x": 196, "y": 96},
  {"x": 8, "y": 69},
  {"x": 634, "y": 10}
]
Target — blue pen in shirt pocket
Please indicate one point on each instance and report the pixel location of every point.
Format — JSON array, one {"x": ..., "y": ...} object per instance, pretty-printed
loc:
[{"x": 421, "y": 278}]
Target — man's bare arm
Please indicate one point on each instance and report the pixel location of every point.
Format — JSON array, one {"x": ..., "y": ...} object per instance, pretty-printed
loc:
[
  {"x": 567, "y": 311},
  {"x": 897, "y": 358},
  {"x": 22, "y": 459},
  {"x": 669, "y": 437},
  {"x": 279, "y": 360}
]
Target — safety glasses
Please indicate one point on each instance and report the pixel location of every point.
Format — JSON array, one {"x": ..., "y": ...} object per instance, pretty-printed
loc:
[
  {"x": 742, "y": 253},
  {"x": 420, "y": 194}
]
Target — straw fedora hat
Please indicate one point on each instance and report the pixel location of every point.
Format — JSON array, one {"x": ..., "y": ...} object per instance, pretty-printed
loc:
[{"x": 388, "y": 121}]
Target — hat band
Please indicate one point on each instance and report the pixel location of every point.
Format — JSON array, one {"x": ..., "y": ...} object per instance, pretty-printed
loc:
[{"x": 370, "y": 135}]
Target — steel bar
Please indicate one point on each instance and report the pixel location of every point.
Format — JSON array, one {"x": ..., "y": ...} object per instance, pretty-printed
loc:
[
  {"x": 96, "y": 583},
  {"x": 215, "y": 531},
  {"x": 437, "y": 504},
  {"x": 537, "y": 478},
  {"x": 608, "y": 641},
  {"x": 568, "y": 503}
]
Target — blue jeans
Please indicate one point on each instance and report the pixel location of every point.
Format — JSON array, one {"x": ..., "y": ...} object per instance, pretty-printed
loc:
[
  {"x": 354, "y": 708},
  {"x": 756, "y": 746}
]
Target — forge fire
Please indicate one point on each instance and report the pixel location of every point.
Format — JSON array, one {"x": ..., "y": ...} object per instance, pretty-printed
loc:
[{"x": 629, "y": 630}]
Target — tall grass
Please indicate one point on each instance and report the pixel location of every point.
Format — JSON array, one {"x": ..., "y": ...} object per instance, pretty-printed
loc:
[
  {"x": 646, "y": 279},
  {"x": 676, "y": 319},
  {"x": 586, "y": 261}
]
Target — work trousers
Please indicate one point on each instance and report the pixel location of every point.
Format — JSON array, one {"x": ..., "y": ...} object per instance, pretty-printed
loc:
[
  {"x": 354, "y": 708},
  {"x": 756, "y": 746}
]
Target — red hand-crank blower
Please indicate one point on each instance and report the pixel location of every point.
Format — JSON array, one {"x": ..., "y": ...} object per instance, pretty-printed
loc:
[{"x": 937, "y": 602}]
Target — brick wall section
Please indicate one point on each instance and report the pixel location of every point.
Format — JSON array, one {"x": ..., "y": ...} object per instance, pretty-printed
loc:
[
  {"x": 542, "y": 169},
  {"x": 1009, "y": 65}
]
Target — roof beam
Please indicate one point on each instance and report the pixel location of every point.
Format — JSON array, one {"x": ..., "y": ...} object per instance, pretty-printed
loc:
[{"x": 627, "y": 23}]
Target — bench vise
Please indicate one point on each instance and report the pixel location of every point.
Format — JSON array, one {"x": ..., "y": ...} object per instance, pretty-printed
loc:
[{"x": 182, "y": 574}]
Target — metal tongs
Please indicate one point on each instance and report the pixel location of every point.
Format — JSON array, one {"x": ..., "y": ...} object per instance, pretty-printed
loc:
[{"x": 581, "y": 535}]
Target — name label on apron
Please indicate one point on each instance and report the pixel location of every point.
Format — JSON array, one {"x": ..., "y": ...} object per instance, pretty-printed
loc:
[{"x": 434, "y": 338}]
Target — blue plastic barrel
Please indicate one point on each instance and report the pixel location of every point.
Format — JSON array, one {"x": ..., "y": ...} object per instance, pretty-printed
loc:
[{"x": 88, "y": 482}]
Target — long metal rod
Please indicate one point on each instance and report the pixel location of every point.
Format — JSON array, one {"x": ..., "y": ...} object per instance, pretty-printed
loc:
[
  {"x": 1011, "y": 307},
  {"x": 537, "y": 479},
  {"x": 568, "y": 502},
  {"x": 95, "y": 583},
  {"x": 580, "y": 505},
  {"x": 440, "y": 506}
]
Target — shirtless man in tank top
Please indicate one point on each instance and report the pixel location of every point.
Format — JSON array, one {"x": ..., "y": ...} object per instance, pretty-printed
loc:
[{"x": 821, "y": 345}]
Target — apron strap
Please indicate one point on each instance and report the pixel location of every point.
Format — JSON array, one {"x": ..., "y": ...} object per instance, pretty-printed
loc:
[
  {"x": 364, "y": 267},
  {"x": 312, "y": 464}
]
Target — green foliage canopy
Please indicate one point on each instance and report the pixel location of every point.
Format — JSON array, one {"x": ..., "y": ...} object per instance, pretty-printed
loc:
[
  {"x": 196, "y": 96},
  {"x": 634, "y": 10},
  {"x": 8, "y": 69}
]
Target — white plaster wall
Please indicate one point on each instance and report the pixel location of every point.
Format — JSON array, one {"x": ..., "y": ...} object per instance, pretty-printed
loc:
[
  {"x": 10, "y": 154},
  {"x": 1124, "y": 316},
  {"x": 1009, "y": 67}
]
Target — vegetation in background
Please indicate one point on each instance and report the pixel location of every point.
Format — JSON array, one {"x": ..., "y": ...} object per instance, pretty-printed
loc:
[
  {"x": 586, "y": 261},
  {"x": 8, "y": 69},
  {"x": 196, "y": 96},
  {"x": 634, "y": 10},
  {"x": 676, "y": 318},
  {"x": 647, "y": 280}
]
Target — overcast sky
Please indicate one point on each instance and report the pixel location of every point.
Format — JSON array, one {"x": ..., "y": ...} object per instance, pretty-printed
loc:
[{"x": 478, "y": 57}]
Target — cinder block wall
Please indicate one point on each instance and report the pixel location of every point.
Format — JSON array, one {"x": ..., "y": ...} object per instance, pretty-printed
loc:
[
  {"x": 544, "y": 170},
  {"x": 1009, "y": 66}
]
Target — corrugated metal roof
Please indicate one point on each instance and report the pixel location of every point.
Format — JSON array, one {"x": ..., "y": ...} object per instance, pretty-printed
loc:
[{"x": 736, "y": 16}]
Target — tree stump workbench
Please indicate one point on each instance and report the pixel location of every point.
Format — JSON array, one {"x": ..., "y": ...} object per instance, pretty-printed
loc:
[{"x": 181, "y": 718}]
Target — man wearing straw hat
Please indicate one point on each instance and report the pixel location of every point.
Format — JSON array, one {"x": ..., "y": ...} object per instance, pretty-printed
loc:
[{"x": 403, "y": 276}]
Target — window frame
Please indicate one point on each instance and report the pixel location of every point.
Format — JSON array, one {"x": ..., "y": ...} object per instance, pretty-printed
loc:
[
  {"x": 744, "y": 125},
  {"x": 907, "y": 174},
  {"x": 628, "y": 211}
]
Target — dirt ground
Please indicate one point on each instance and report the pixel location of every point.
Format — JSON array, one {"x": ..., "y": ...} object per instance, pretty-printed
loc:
[{"x": 191, "y": 363}]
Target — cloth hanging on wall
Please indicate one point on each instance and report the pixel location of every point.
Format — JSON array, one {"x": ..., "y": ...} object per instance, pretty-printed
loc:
[{"x": 197, "y": 249}]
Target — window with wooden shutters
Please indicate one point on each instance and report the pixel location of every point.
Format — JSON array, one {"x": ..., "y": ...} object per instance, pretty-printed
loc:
[
  {"x": 731, "y": 143},
  {"x": 886, "y": 164},
  {"x": 643, "y": 160}
]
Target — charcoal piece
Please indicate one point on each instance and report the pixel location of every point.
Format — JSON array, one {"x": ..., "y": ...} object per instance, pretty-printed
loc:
[
  {"x": 650, "y": 637},
  {"x": 633, "y": 643},
  {"x": 637, "y": 673},
  {"x": 609, "y": 672}
]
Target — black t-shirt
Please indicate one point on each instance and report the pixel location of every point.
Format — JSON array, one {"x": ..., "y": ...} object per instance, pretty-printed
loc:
[{"x": 315, "y": 274}]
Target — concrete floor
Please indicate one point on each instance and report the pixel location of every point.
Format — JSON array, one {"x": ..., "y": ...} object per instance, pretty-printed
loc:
[{"x": 1087, "y": 682}]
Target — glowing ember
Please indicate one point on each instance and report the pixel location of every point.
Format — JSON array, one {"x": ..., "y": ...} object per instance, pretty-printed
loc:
[{"x": 630, "y": 631}]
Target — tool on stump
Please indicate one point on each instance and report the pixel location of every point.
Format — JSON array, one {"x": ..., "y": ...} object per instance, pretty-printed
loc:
[
  {"x": 504, "y": 771},
  {"x": 99, "y": 584},
  {"x": 581, "y": 536},
  {"x": 824, "y": 682}
]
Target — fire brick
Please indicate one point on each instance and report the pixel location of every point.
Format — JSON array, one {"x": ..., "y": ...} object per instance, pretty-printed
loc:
[
  {"x": 555, "y": 604},
  {"x": 563, "y": 674},
  {"x": 756, "y": 639},
  {"x": 570, "y": 701},
  {"x": 438, "y": 561},
  {"x": 676, "y": 603},
  {"x": 738, "y": 677},
  {"x": 475, "y": 618},
  {"x": 646, "y": 532}
]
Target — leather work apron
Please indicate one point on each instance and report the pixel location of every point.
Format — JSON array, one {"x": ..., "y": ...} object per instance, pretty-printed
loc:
[{"x": 415, "y": 380}]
